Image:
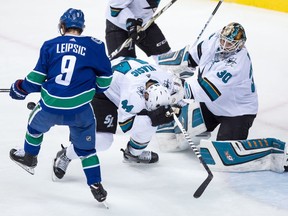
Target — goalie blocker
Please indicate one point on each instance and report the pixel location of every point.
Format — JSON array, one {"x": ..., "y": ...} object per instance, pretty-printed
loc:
[{"x": 245, "y": 155}]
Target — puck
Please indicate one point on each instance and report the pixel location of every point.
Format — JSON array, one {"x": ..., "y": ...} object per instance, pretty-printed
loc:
[{"x": 31, "y": 105}]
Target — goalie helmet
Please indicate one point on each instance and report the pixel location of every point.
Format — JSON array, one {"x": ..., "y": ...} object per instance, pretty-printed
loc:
[
  {"x": 156, "y": 95},
  {"x": 232, "y": 38},
  {"x": 72, "y": 18}
]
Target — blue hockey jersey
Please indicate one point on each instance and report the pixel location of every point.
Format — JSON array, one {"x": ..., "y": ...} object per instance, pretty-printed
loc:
[{"x": 69, "y": 71}]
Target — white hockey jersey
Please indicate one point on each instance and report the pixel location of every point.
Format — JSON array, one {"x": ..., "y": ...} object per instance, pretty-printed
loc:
[
  {"x": 118, "y": 11},
  {"x": 129, "y": 83},
  {"x": 226, "y": 86}
]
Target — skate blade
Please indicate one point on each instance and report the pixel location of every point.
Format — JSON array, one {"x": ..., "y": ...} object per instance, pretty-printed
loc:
[
  {"x": 26, "y": 168},
  {"x": 137, "y": 163},
  {"x": 53, "y": 176},
  {"x": 105, "y": 204}
]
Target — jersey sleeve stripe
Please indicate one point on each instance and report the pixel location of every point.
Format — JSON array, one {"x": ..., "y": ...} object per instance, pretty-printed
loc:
[{"x": 212, "y": 92}]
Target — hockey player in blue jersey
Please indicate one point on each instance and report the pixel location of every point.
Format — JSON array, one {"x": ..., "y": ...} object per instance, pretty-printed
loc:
[
  {"x": 70, "y": 69},
  {"x": 139, "y": 96}
]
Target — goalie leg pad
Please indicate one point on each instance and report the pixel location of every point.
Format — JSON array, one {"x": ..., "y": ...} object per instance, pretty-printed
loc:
[
  {"x": 245, "y": 155},
  {"x": 192, "y": 120},
  {"x": 170, "y": 137}
]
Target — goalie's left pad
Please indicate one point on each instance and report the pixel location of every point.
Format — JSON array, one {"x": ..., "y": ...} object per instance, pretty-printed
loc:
[
  {"x": 245, "y": 155},
  {"x": 177, "y": 62},
  {"x": 170, "y": 137}
]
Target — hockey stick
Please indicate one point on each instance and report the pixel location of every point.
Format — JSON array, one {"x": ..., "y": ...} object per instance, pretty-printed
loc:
[
  {"x": 4, "y": 90},
  {"x": 30, "y": 105},
  {"x": 129, "y": 40},
  {"x": 206, "y": 24},
  {"x": 204, "y": 185}
]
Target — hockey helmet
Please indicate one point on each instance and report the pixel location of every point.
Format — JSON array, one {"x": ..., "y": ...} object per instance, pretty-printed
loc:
[
  {"x": 72, "y": 18},
  {"x": 156, "y": 95},
  {"x": 232, "y": 38}
]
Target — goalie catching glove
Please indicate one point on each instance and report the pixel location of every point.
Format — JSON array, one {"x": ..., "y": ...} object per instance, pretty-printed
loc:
[{"x": 161, "y": 115}]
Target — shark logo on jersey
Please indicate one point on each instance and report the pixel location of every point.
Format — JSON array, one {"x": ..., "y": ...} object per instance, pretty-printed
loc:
[
  {"x": 109, "y": 121},
  {"x": 140, "y": 91},
  {"x": 167, "y": 83},
  {"x": 230, "y": 61}
]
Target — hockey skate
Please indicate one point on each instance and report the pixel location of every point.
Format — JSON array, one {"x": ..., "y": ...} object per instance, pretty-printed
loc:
[
  {"x": 60, "y": 164},
  {"x": 98, "y": 192},
  {"x": 145, "y": 157},
  {"x": 25, "y": 160}
]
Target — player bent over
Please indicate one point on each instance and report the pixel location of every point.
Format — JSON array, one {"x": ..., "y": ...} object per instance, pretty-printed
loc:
[{"x": 142, "y": 93}]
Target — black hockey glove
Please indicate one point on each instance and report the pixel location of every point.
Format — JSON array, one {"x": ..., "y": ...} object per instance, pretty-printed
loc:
[
  {"x": 132, "y": 26},
  {"x": 161, "y": 115}
]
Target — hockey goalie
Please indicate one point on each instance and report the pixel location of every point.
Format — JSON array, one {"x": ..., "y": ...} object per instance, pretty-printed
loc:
[{"x": 223, "y": 94}]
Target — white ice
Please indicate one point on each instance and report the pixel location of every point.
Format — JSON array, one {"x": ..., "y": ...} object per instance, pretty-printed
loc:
[{"x": 167, "y": 187}]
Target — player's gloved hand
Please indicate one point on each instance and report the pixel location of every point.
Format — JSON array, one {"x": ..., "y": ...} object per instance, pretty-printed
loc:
[
  {"x": 177, "y": 90},
  {"x": 176, "y": 108},
  {"x": 132, "y": 26},
  {"x": 159, "y": 116},
  {"x": 16, "y": 91}
]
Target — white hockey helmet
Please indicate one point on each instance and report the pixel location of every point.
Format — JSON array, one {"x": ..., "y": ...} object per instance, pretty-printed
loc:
[
  {"x": 156, "y": 95},
  {"x": 232, "y": 38}
]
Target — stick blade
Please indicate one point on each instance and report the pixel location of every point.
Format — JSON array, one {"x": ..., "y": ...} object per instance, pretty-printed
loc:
[{"x": 203, "y": 186}]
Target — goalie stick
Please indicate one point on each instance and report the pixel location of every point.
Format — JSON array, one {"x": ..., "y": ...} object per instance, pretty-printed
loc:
[
  {"x": 205, "y": 183},
  {"x": 206, "y": 24},
  {"x": 129, "y": 40}
]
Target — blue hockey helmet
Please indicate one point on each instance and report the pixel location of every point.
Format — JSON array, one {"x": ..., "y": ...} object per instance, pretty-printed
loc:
[{"x": 73, "y": 18}]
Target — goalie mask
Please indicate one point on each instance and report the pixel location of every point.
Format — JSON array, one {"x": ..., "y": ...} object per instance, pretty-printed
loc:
[
  {"x": 232, "y": 38},
  {"x": 156, "y": 95}
]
